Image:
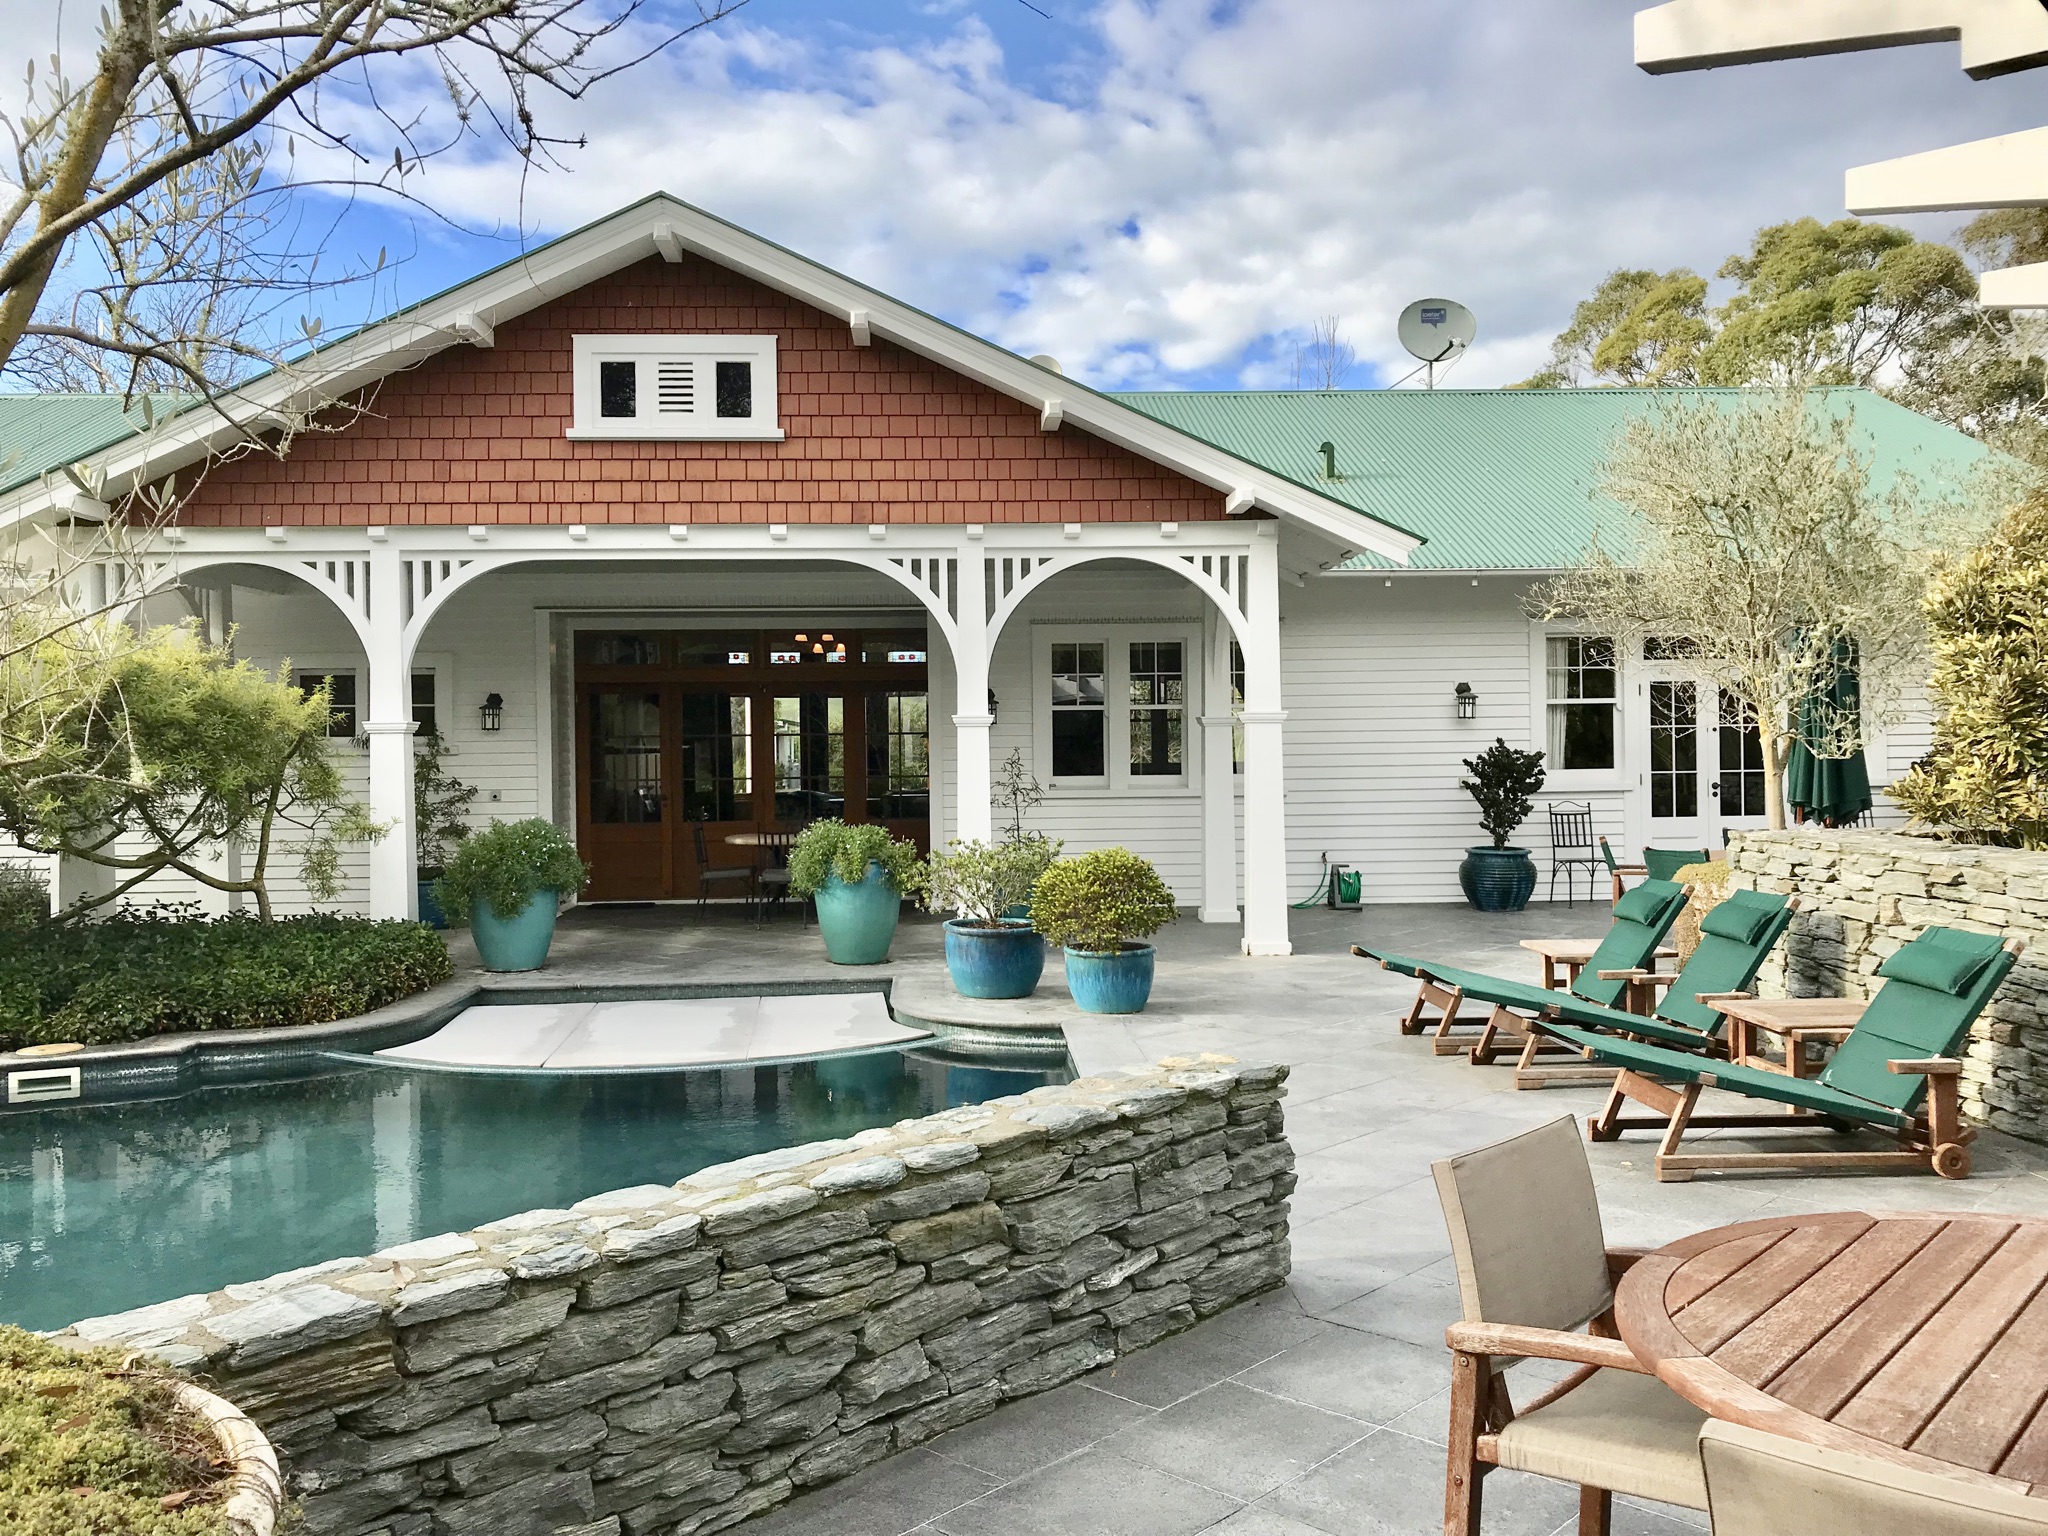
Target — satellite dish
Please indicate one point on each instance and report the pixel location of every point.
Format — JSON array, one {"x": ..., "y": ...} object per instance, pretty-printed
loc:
[{"x": 1437, "y": 329}]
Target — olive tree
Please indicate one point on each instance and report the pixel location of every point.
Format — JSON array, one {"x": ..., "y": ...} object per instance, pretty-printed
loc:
[
  {"x": 1758, "y": 536},
  {"x": 184, "y": 750}
]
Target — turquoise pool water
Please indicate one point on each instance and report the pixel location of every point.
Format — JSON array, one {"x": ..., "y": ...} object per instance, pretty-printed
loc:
[{"x": 109, "y": 1207}]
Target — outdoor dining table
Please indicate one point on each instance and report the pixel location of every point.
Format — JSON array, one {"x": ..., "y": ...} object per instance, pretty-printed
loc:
[{"x": 1917, "y": 1338}]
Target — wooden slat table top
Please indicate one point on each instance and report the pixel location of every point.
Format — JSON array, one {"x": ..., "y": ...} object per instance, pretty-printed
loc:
[
  {"x": 1920, "y": 1338},
  {"x": 1782, "y": 1013},
  {"x": 1577, "y": 951}
]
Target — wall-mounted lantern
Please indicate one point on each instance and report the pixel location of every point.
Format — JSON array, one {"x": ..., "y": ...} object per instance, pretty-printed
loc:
[
  {"x": 492, "y": 711},
  {"x": 991, "y": 706},
  {"x": 1468, "y": 702}
]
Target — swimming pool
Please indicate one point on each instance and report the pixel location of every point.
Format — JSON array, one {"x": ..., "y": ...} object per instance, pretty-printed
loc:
[{"x": 107, "y": 1207}]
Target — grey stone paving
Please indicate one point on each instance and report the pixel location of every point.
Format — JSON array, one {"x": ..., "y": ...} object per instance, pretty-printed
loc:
[{"x": 1318, "y": 1410}]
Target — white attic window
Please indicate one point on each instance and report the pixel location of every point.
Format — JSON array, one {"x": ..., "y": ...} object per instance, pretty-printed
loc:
[{"x": 688, "y": 388}]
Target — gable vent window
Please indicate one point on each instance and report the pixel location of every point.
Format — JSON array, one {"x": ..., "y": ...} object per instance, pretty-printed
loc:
[
  {"x": 685, "y": 388},
  {"x": 676, "y": 388}
]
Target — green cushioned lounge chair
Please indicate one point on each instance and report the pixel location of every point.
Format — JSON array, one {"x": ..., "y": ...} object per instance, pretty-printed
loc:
[
  {"x": 1895, "y": 1072},
  {"x": 1641, "y": 920},
  {"x": 1736, "y": 936}
]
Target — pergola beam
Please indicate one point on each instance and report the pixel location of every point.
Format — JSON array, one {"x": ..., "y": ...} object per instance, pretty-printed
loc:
[{"x": 1998, "y": 37}]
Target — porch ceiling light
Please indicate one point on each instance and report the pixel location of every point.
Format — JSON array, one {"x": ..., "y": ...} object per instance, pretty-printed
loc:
[
  {"x": 492, "y": 711},
  {"x": 1468, "y": 702}
]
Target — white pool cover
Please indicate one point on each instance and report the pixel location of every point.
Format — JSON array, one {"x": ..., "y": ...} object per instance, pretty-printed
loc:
[{"x": 661, "y": 1032}]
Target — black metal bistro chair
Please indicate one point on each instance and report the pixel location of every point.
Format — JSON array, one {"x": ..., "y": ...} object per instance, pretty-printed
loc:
[
  {"x": 774, "y": 880},
  {"x": 712, "y": 877},
  {"x": 1571, "y": 846}
]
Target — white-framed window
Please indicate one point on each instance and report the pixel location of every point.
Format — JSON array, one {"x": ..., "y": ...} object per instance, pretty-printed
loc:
[
  {"x": 347, "y": 707},
  {"x": 1114, "y": 702},
  {"x": 691, "y": 388},
  {"x": 1582, "y": 704}
]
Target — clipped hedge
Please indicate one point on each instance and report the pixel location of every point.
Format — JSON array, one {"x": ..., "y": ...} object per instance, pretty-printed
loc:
[{"x": 162, "y": 970}]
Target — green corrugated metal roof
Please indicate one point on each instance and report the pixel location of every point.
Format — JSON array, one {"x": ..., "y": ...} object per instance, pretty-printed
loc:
[
  {"x": 39, "y": 433},
  {"x": 1495, "y": 479}
]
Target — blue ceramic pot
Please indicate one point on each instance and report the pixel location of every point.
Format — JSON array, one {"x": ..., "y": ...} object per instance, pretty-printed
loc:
[
  {"x": 1114, "y": 981},
  {"x": 995, "y": 962},
  {"x": 518, "y": 943},
  {"x": 858, "y": 921},
  {"x": 430, "y": 902},
  {"x": 1498, "y": 879}
]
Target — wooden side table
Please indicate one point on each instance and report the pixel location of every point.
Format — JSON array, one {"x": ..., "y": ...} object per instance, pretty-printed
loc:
[
  {"x": 1563, "y": 959},
  {"x": 1798, "y": 1021}
]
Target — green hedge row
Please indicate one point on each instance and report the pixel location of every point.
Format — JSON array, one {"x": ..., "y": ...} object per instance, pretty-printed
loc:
[{"x": 158, "y": 971}]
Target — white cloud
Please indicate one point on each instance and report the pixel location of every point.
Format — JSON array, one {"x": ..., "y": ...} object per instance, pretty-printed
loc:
[{"x": 1201, "y": 181}]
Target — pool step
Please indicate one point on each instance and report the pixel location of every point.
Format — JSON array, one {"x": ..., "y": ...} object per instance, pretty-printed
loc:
[{"x": 1035, "y": 1023}]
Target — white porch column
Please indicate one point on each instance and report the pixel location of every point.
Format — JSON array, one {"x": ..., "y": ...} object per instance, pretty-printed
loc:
[
  {"x": 1265, "y": 816},
  {"x": 394, "y": 889},
  {"x": 974, "y": 816},
  {"x": 1219, "y": 779}
]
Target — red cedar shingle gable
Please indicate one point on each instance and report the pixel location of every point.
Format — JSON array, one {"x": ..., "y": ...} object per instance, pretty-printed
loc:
[{"x": 874, "y": 435}]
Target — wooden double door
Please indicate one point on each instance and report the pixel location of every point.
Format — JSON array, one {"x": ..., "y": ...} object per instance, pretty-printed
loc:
[{"x": 688, "y": 738}]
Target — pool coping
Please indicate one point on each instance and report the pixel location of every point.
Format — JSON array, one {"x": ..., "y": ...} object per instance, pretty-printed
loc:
[{"x": 167, "y": 1065}]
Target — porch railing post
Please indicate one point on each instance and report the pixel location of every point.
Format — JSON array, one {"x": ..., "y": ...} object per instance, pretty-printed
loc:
[
  {"x": 394, "y": 887},
  {"x": 1219, "y": 778},
  {"x": 974, "y": 816},
  {"x": 1265, "y": 816}
]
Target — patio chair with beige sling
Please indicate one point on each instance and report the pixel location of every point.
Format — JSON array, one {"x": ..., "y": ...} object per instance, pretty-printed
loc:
[
  {"x": 1534, "y": 1269},
  {"x": 1766, "y": 1485}
]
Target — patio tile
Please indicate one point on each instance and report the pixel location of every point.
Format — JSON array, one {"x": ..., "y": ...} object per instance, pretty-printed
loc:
[
  {"x": 1238, "y": 1441},
  {"x": 885, "y": 1499},
  {"x": 1390, "y": 1485},
  {"x": 1034, "y": 1432},
  {"x": 1093, "y": 1494},
  {"x": 1262, "y": 1520},
  {"x": 1183, "y": 1365},
  {"x": 1363, "y": 1375},
  {"x": 1413, "y": 1308}
]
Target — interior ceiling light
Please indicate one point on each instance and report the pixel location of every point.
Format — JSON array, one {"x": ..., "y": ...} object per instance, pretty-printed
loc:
[
  {"x": 802, "y": 638},
  {"x": 826, "y": 638},
  {"x": 817, "y": 650}
]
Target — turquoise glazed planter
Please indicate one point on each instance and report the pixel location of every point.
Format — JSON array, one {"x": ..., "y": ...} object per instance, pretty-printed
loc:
[
  {"x": 858, "y": 921},
  {"x": 517, "y": 943},
  {"x": 995, "y": 962},
  {"x": 1114, "y": 981},
  {"x": 1498, "y": 879}
]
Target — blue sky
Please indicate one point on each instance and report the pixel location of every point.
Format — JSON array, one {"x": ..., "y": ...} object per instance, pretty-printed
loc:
[{"x": 1167, "y": 193}]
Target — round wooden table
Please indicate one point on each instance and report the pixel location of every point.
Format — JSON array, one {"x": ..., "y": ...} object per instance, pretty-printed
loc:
[{"x": 1918, "y": 1338}]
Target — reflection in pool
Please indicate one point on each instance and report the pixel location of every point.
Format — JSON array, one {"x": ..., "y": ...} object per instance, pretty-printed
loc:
[{"x": 114, "y": 1206}]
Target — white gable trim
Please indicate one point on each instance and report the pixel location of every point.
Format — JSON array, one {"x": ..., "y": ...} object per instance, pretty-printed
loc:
[{"x": 663, "y": 225}]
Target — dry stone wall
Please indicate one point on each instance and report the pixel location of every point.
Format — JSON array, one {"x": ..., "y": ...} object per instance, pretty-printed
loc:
[
  {"x": 1863, "y": 894},
  {"x": 675, "y": 1359}
]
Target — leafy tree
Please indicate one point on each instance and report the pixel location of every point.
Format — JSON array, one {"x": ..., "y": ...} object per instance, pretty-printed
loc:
[
  {"x": 1757, "y": 535},
  {"x": 1986, "y": 776},
  {"x": 1639, "y": 327},
  {"x": 440, "y": 804},
  {"x": 184, "y": 749}
]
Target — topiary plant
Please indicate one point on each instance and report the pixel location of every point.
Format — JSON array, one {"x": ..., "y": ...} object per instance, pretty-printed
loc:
[
  {"x": 1101, "y": 901},
  {"x": 507, "y": 865},
  {"x": 1985, "y": 779},
  {"x": 1503, "y": 779},
  {"x": 982, "y": 882},
  {"x": 833, "y": 847}
]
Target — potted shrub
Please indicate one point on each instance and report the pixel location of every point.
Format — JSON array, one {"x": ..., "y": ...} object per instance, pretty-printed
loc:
[
  {"x": 990, "y": 951},
  {"x": 101, "y": 1441},
  {"x": 440, "y": 818},
  {"x": 506, "y": 882},
  {"x": 1498, "y": 878},
  {"x": 1098, "y": 906},
  {"x": 857, "y": 876}
]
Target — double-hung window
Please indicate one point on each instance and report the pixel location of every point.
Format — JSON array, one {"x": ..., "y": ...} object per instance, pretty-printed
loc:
[
  {"x": 1158, "y": 694},
  {"x": 1080, "y": 711},
  {"x": 1583, "y": 701},
  {"x": 342, "y": 716}
]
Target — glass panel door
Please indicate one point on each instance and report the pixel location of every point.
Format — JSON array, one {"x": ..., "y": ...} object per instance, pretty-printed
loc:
[
  {"x": 718, "y": 756},
  {"x": 1674, "y": 752},
  {"x": 625, "y": 758},
  {"x": 1739, "y": 786},
  {"x": 626, "y": 831},
  {"x": 899, "y": 776},
  {"x": 808, "y": 733}
]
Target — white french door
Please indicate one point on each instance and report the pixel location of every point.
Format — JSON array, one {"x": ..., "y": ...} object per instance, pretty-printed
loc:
[{"x": 1703, "y": 766}]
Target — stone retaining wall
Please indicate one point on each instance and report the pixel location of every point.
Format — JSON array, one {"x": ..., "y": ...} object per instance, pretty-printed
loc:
[
  {"x": 1863, "y": 894},
  {"x": 676, "y": 1359}
]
